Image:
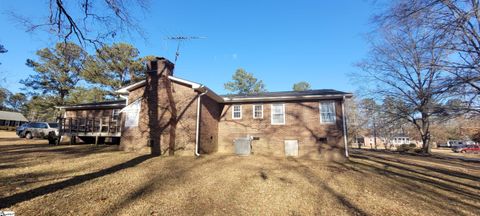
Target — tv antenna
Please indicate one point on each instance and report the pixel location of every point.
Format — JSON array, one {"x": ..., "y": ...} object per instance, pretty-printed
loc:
[{"x": 181, "y": 39}]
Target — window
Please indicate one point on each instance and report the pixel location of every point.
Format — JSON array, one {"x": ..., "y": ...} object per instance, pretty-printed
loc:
[
  {"x": 115, "y": 114},
  {"x": 327, "y": 112},
  {"x": 53, "y": 125},
  {"x": 40, "y": 125},
  {"x": 237, "y": 112},
  {"x": 257, "y": 111},
  {"x": 278, "y": 114},
  {"x": 132, "y": 112},
  {"x": 322, "y": 140}
]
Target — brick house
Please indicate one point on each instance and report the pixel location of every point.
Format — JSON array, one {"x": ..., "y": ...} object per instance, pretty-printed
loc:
[{"x": 165, "y": 114}]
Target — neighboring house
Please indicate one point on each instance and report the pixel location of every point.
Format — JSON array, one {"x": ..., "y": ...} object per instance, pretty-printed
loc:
[
  {"x": 399, "y": 139},
  {"x": 11, "y": 119},
  {"x": 394, "y": 141},
  {"x": 166, "y": 114}
]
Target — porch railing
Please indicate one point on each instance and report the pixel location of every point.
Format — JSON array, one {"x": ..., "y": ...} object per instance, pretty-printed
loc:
[{"x": 103, "y": 126}]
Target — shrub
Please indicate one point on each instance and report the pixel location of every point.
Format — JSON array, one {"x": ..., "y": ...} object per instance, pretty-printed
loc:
[
  {"x": 407, "y": 148},
  {"x": 8, "y": 128}
]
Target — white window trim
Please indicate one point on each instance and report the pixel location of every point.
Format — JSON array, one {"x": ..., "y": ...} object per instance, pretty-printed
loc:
[
  {"x": 334, "y": 112},
  {"x": 271, "y": 114},
  {"x": 233, "y": 112},
  {"x": 253, "y": 111}
]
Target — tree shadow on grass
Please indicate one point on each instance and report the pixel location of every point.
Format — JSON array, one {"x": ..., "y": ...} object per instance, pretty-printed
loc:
[
  {"x": 402, "y": 165},
  {"x": 43, "y": 190},
  {"x": 21, "y": 157},
  {"x": 438, "y": 189},
  {"x": 313, "y": 179},
  {"x": 403, "y": 161},
  {"x": 172, "y": 175}
]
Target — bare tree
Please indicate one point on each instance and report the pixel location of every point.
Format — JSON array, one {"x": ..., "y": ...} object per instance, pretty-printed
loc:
[
  {"x": 87, "y": 21},
  {"x": 404, "y": 65},
  {"x": 460, "y": 20},
  {"x": 356, "y": 119}
]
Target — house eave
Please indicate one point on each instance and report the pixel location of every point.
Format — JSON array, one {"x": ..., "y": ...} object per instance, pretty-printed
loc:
[
  {"x": 284, "y": 98},
  {"x": 80, "y": 107}
]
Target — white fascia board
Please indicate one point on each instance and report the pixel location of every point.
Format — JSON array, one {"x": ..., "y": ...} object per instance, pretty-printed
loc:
[
  {"x": 210, "y": 93},
  {"x": 194, "y": 85},
  {"x": 88, "y": 106},
  {"x": 126, "y": 89}
]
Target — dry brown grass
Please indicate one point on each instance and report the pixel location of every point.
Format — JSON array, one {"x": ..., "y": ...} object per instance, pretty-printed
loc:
[{"x": 38, "y": 179}]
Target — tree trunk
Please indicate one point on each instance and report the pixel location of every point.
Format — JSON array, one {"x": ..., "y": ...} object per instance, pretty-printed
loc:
[
  {"x": 426, "y": 145},
  {"x": 425, "y": 133},
  {"x": 374, "y": 134}
]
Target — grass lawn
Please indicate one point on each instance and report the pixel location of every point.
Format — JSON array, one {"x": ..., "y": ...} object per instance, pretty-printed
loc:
[{"x": 38, "y": 179}]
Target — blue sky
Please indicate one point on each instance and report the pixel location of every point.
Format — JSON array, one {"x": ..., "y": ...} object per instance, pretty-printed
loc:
[{"x": 280, "y": 42}]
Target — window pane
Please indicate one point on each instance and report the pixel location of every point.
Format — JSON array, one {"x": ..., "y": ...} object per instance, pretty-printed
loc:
[
  {"x": 236, "y": 108},
  {"x": 237, "y": 112},
  {"x": 278, "y": 114},
  {"x": 327, "y": 112},
  {"x": 257, "y": 111}
]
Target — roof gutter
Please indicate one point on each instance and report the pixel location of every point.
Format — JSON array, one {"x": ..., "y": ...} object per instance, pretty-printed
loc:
[
  {"x": 345, "y": 139},
  {"x": 197, "y": 129}
]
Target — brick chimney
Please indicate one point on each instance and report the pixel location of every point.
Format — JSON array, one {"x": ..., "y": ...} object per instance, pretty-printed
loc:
[
  {"x": 160, "y": 66},
  {"x": 157, "y": 91}
]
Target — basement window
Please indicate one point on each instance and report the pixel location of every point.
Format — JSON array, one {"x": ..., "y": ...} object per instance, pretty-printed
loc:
[
  {"x": 327, "y": 112},
  {"x": 237, "y": 112},
  {"x": 278, "y": 114},
  {"x": 257, "y": 111}
]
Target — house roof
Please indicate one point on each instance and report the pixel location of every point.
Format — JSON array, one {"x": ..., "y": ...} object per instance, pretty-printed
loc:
[
  {"x": 12, "y": 116},
  {"x": 287, "y": 95},
  {"x": 97, "y": 105},
  {"x": 265, "y": 96}
]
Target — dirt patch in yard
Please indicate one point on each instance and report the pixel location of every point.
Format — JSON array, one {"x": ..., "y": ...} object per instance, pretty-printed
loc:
[{"x": 90, "y": 180}]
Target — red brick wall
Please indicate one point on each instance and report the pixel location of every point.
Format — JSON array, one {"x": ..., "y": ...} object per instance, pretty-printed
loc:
[
  {"x": 302, "y": 123},
  {"x": 136, "y": 138},
  {"x": 210, "y": 115}
]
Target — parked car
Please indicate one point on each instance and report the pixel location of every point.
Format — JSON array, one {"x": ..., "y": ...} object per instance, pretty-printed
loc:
[
  {"x": 467, "y": 149},
  {"x": 43, "y": 130},
  {"x": 456, "y": 143},
  {"x": 21, "y": 128}
]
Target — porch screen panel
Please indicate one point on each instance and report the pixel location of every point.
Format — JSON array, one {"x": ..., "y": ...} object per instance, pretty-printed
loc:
[{"x": 132, "y": 112}]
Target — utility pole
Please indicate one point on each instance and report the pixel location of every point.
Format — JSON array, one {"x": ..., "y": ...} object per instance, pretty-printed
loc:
[{"x": 180, "y": 40}]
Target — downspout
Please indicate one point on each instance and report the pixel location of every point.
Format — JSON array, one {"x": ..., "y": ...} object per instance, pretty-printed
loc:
[
  {"x": 345, "y": 140},
  {"x": 197, "y": 132}
]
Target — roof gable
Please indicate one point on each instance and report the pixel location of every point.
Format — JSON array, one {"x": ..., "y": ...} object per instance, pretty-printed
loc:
[{"x": 12, "y": 116}]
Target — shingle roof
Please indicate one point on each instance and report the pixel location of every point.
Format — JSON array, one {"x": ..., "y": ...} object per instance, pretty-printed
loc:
[
  {"x": 103, "y": 104},
  {"x": 12, "y": 116},
  {"x": 289, "y": 93}
]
